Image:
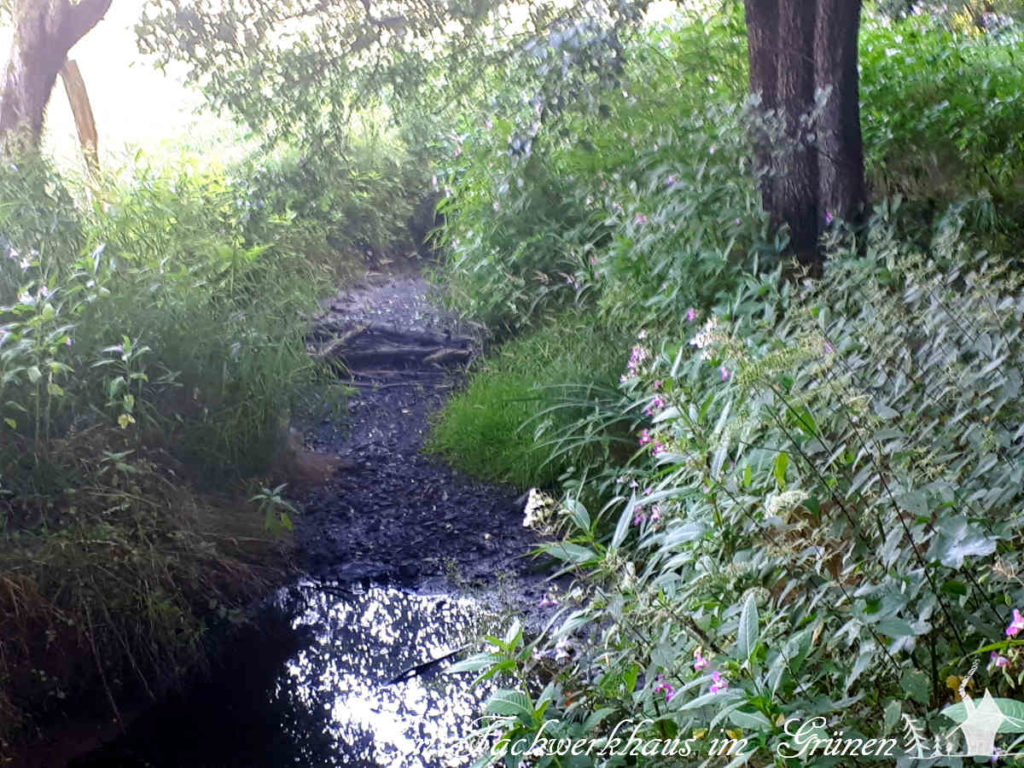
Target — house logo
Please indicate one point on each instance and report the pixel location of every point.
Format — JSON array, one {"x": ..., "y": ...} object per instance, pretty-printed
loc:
[{"x": 981, "y": 725}]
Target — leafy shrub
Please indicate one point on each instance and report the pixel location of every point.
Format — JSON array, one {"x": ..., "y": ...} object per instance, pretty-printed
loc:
[
  {"x": 823, "y": 514},
  {"x": 339, "y": 210}
]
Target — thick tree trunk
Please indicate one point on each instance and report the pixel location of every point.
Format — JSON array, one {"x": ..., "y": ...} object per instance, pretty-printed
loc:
[
  {"x": 762, "y": 44},
  {"x": 815, "y": 170},
  {"x": 44, "y": 32},
  {"x": 840, "y": 145},
  {"x": 797, "y": 182}
]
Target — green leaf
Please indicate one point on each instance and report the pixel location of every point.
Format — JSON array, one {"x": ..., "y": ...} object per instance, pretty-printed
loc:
[
  {"x": 509, "y": 702},
  {"x": 622, "y": 527},
  {"x": 751, "y": 720},
  {"x": 916, "y": 684},
  {"x": 781, "y": 465},
  {"x": 748, "y": 632},
  {"x": 572, "y": 553},
  {"x": 475, "y": 663}
]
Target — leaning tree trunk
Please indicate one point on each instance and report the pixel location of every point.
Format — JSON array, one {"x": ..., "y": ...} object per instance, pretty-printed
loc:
[
  {"x": 840, "y": 145},
  {"x": 44, "y": 32}
]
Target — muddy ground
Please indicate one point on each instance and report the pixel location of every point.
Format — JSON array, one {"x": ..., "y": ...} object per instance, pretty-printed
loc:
[{"x": 390, "y": 511}]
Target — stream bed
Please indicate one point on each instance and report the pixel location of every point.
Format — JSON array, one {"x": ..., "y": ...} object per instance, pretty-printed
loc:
[{"x": 405, "y": 561}]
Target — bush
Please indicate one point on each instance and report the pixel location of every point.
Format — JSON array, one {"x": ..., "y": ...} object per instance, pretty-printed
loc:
[
  {"x": 823, "y": 514},
  {"x": 146, "y": 347}
]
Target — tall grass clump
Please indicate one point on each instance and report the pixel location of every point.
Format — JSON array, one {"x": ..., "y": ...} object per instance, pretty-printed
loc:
[{"x": 511, "y": 424}]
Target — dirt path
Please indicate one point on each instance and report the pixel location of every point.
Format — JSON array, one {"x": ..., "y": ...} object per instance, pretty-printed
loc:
[{"x": 391, "y": 511}]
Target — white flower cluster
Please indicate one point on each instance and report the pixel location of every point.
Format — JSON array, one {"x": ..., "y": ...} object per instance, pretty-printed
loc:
[
  {"x": 539, "y": 507},
  {"x": 782, "y": 504},
  {"x": 705, "y": 337}
]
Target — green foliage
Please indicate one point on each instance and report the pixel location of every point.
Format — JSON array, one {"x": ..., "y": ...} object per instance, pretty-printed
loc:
[
  {"x": 147, "y": 344},
  {"x": 549, "y": 206},
  {"x": 337, "y": 210},
  {"x": 512, "y": 423},
  {"x": 819, "y": 512},
  {"x": 825, "y": 505},
  {"x": 299, "y": 69}
]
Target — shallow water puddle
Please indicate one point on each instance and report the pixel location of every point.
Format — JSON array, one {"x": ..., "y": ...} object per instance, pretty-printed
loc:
[
  {"x": 375, "y": 665},
  {"x": 336, "y": 676}
]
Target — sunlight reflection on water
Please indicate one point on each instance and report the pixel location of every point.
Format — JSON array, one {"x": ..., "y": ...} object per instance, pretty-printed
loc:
[{"x": 360, "y": 643}]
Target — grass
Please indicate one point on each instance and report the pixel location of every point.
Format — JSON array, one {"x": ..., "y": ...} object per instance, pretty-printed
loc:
[
  {"x": 502, "y": 427},
  {"x": 110, "y": 587}
]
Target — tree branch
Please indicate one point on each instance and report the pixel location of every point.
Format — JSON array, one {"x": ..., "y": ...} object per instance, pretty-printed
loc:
[{"x": 84, "y": 15}]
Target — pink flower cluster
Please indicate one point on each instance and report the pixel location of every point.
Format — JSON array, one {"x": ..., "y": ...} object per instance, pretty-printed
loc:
[
  {"x": 718, "y": 682},
  {"x": 637, "y": 358},
  {"x": 656, "y": 405},
  {"x": 642, "y": 517},
  {"x": 647, "y": 439},
  {"x": 1016, "y": 625}
]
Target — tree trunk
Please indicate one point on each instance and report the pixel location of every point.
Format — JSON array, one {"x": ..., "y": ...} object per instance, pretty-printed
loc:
[
  {"x": 44, "y": 32},
  {"x": 815, "y": 170},
  {"x": 840, "y": 145},
  {"x": 762, "y": 43},
  {"x": 796, "y": 189}
]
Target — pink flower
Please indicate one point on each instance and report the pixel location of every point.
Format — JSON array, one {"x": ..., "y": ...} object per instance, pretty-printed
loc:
[
  {"x": 656, "y": 405},
  {"x": 663, "y": 686},
  {"x": 700, "y": 662},
  {"x": 718, "y": 683},
  {"x": 691, "y": 315},
  {"x": 656, "y": 514},
  {"x": 548, "y": 601},
  {"x": 829, "y": 218},
  {"x": 726, "y": 373},
  {"x": 645, "y": 437},
  {"x": 998, "y": 661},
  {"x": 640, "y": 219},
  {"x": 1016, "y": 625},
  {"x": 658, "y": 449},
  {"x": 670, "y": 181},
  {"x": 639, "y": 518}
]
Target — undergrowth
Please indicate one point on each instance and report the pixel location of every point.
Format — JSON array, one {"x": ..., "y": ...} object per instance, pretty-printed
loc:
[
  {"x": 509, "y": 425},
  {"x": 152, "y": 353}
]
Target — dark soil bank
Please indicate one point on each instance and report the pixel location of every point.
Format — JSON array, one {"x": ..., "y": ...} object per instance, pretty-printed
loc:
[{"x": 345, "y": 667}]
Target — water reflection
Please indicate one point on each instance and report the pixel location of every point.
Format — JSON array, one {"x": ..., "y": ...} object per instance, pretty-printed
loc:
[
  {"x": 331, "y": 677},
  {"x": 374, "y": 665}
]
